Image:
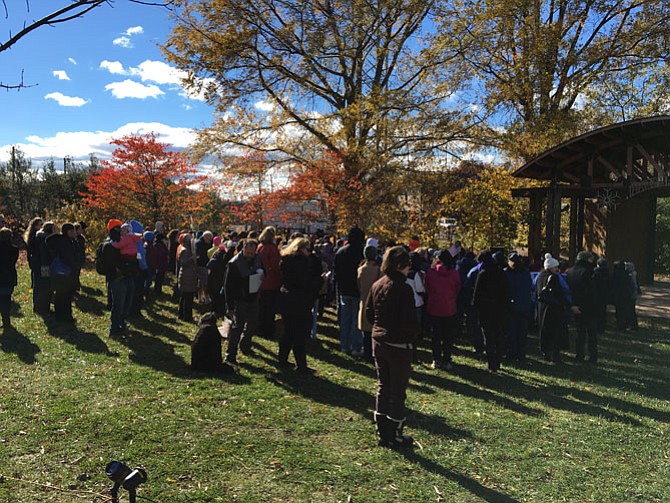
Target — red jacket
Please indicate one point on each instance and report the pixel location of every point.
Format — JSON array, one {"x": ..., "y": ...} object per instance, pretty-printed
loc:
[
  {"x": 442, "y": 287},
  {"x": 270, "y": 257}
]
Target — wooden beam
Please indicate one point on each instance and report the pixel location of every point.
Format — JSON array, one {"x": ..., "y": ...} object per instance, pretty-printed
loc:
[
  {"x": 629, "y": 161},
  {"x": 649, "y": 159},
  {"x": 609, "y": 165}
]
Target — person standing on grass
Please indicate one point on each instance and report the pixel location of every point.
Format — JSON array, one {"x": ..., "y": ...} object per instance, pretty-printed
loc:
[
  {"x": 202, "y": 246},
  {"x": 345, "y": 269},
  {"x": 368, "y": 272},
  {"x": 187, "y": 279},
  {"x": 443, "y": 283},
  {"x": 33, "y": 256},
  {"x": 520, "y": 284},
  {"x": 64, "y": 249},
  {"x": 267, "y": 296},
  {"x": 580, "y": 281},
  {"x": 242, "y": 299},
  {"x": 602, "y": 285},
  {"x": 120, "y": 274},
  {"x": 491, "y": 298},
  {"x": 390, "y": 309},
  {"x": 9, "y": 254},
  {"x": 42, "y": 289},
  {"x": 551, "y": 318},
  {"x": 300, "y": 284}
]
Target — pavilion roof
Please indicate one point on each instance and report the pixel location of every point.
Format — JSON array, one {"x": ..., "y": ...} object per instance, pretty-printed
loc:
[{"x": 631, "y": 152}]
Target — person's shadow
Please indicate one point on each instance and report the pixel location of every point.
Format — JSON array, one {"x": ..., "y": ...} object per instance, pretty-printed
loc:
[
  {"x": 468, "y": 483},
  {"x": 13, "y": 341},
  {"x": 79, "y": 338}
]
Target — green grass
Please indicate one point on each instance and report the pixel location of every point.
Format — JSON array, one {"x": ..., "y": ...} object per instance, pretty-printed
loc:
[{"x": 72, "y": 400}]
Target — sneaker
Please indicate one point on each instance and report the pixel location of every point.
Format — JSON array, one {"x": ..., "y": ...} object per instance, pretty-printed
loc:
[{"x": 435, "y": 365}]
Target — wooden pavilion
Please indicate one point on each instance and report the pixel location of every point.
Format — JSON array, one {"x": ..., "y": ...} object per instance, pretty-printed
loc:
[{"x": 607, "y": 182}]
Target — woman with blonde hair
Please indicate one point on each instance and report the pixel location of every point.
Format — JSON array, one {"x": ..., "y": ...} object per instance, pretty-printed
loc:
[{"x": 300, "y": 284}]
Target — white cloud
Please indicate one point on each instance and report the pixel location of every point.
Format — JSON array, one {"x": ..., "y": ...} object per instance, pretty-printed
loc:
[
  {"x": 72, "y": 60},
  {"x": 131, "y": 89},
  {"x": 134, "y": 30},
  {"x": 80, "y": 144},
  {"x": 158, "y": 72},
  {"x": 113, "y": 67},
  {"x": 66, "y": 101},
  {"x": 265, "y": 106},
  {"x": 60, "y": 74},
  {"x": 123, "y": 42}
]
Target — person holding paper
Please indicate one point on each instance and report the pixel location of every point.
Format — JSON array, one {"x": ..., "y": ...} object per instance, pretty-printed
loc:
[{"x": 244, "y": 274}]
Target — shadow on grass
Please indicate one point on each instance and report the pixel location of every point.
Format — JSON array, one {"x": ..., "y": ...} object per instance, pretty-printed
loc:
[
  {"x": 83, "y": 341},
  {"x": 322, "y": 390},
  {"x": 13, "y": 341},
  {"x": 91, "y": 305},
  {"x": 467, "y": 483},
  {"x": 15, "y": 310}
]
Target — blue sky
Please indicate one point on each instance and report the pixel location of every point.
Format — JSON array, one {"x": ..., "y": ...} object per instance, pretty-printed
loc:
[{"x": 97, "y": 78}]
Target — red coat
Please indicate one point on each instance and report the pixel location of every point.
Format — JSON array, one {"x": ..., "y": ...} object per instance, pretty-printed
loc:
[
  {"x": 442, "y": 287},
  {"x": 270, "y": 257}
]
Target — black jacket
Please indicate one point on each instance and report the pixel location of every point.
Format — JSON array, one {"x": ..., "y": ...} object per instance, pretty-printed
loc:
[
  {"x": 580, "y": 281},
  {"x": 347, "y": 260},
  {"x": 236, "y": 284},
  {"x": 491, "y": 295},
  {"x": 66, "y": 249},
  {"x": 300, "y": 284},
  {"x": 9, "y": 254}
]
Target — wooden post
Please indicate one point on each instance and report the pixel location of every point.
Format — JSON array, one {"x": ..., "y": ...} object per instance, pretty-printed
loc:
[{"x": 535, "y": 224}]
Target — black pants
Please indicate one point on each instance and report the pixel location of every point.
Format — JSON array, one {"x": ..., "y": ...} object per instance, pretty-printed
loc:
[
  {"x": 64, "y": 288},
  {"x": 517, "y": 334},
  {"x": 267, "y": 306},
  {"x": 5, "y": 308},
  {"x": 244, "y": 327},
  {"x": 443, "y": 334},
  {"x": 474, "y": 329},
  {"x": 494, "y": 338},
  {"x": 296, "y": 333},
  {"x": 587, "y": 334},
  {"x": 185, "y": 312},
  {"x": 393, "y": 366}
]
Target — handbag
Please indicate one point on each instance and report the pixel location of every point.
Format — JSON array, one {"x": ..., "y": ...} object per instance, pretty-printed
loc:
[{"x": 60, "y": 268}]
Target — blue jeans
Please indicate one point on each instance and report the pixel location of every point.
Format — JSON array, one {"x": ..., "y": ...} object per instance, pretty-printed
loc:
[
  {"x": 351, "y": 338},
  {"x": 121, "y": 290}
]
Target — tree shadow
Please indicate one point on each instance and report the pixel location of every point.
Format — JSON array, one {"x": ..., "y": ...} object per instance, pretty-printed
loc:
[
  {"x": 468, "y": 483},
  {"x": 556, "y": 396},
  {"x": 476, "y": 392},
  {"x": 13, "y": 341},
  {"x": 82, "y": 340}
]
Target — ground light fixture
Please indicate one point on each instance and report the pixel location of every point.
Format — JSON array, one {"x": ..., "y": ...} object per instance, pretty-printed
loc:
[{"x": 123, "y": 476}]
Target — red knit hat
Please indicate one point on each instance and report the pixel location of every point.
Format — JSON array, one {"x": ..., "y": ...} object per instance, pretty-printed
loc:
[{"x": 113, "y": 223}]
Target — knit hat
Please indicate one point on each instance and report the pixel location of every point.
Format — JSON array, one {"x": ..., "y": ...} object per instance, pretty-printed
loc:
[
  {"x": 128, "y": 227},
  {"x": 136, "y": 226},
  {"x": 514, "y": 257},
  {"x": 550, "y": 262},
  {"x": 160, "y": 226},
  {"x": 216, "y": 241},
  {"x": 372, "y": 242},
  {"x": 149, "y": 236},
  {"x": 370, "y": 252},
  {"x": 66, "y": 227},
  {"x": 113, "y": 223}
]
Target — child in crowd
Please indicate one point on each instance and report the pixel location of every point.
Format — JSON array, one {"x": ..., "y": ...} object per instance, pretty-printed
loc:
[{"x": 128, "y": 242}]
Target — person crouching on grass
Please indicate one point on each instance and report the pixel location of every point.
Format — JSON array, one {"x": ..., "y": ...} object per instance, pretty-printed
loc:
[{"x": 390, "y": 309}]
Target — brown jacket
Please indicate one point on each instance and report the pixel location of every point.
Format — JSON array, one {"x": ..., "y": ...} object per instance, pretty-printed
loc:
[{"x": 390, "y": 309}]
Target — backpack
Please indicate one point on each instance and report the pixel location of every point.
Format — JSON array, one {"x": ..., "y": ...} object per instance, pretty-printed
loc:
[{"x": 101, "y": 265}]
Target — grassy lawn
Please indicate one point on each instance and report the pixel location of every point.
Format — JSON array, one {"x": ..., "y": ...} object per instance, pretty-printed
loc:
[{"x": 73, "y": 399}]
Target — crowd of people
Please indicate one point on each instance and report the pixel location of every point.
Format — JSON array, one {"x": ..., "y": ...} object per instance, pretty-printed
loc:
[{"x": 388, "y": 296}]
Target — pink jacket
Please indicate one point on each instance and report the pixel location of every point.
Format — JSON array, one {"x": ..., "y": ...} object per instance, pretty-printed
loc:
[{"x": 442, "y": 287}]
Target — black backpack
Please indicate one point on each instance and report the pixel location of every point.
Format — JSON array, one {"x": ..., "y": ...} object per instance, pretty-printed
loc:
[{"x": 101, "y": 265}]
